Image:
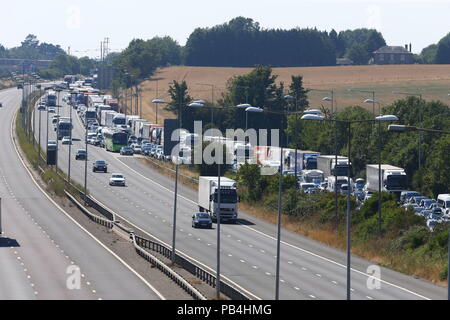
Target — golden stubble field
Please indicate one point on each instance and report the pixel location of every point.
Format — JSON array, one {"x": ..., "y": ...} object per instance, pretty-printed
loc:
[{"x": 432, "y": 81}]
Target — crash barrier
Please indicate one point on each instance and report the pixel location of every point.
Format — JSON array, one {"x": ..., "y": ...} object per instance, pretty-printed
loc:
[
  {"x": 192, "y": 268},
  {"x": 143, "y": 253},
  {"x": 168, "y": 271},
  {"x": 97, "y": 219}
]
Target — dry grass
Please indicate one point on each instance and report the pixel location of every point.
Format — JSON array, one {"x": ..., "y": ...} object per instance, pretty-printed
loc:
[
  {"x": 431, "y": 80},
  {"x": 371, "y": 250},
  {"x": 6, "y": 84}
]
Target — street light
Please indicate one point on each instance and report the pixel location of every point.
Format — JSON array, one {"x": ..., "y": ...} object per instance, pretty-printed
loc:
[
  {"x": 157, "y": 102},
  {"x": 379, "y": 166},
  {"x": 327, "y": 99},
  {"x": 212, "y": 99},
  {"x": 366, "y": 91},
  {"x": 251, "y": 110},
  {"x": 402, "y": 128},
  {"x": 197, "y": 105},
  {"x": 316, "y": 117}
]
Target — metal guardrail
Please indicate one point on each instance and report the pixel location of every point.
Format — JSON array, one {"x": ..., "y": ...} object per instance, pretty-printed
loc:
[
  {"x": 192, "y": 268},
  {"x": 143, "y": 253},
  {"x": 97, "y": 219},
  {"x": 169, "y": 272},
  {"x": 169, "y": 169}
]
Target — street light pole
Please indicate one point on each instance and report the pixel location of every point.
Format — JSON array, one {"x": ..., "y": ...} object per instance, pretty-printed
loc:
[
  {"x": 349, "y": 269},
  {"x": 85, "y": 163},
  {"x": 280, "y": 194},
  {"x": 348, "y": 123},
  {"x": 174, "y": 231},
  {"x": 420, "y": 132},
  {"x": 70, "y": 145},
  {"x": 39, "y": 139}
]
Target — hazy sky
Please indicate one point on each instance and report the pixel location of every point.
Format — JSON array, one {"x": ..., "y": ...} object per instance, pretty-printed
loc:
[{"x": 83, "y": 24}]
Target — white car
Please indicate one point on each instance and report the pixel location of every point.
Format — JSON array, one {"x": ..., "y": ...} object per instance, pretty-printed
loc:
[
  {"x": 117, "y": 179},
  {"x": 66, "y": 141},
  {"x": 51, "y": 110}
]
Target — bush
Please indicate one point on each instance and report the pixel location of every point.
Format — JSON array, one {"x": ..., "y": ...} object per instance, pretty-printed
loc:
[
  {"x": 443, "y": 275},
  {"x": 412, "y": 239}
]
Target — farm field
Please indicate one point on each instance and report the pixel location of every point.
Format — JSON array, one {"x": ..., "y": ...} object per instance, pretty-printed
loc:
[{"x": 432, "y": 81}]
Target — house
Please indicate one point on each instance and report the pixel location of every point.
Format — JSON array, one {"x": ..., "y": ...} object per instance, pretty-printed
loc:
[{"x": 393, "y": 55}]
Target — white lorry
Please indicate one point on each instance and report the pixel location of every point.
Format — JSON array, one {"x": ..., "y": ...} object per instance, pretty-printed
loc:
[
  {"x": 208, "y": 198},
  {"x": 107, "y": 116},
  {"x": 327, "y": 164},
  {"x": 393, "y": 179}
]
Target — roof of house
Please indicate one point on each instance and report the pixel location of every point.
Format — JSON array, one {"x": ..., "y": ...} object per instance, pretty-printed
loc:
[{"x": 393, "y": 49}]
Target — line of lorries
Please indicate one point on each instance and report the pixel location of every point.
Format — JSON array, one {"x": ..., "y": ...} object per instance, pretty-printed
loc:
[{"x": 145, "y": 138}]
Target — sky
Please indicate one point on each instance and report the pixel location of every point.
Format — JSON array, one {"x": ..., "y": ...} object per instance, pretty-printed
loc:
[{"x": 83, "y": 24}]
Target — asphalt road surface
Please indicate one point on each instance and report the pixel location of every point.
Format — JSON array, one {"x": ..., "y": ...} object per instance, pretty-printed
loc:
[
  {"x": 309, "y": 270},
  {"x": 43, "y": 253}
]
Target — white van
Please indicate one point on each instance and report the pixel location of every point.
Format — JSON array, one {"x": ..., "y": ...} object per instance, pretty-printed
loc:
[{"x": 443, "y": 201}]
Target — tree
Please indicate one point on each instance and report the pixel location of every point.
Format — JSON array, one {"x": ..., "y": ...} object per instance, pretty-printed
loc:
[
  {"x": 428, "y": 54},
  {"x": 242, "y": 43},
  {"x": 443, "y": 50},
  {"x": 358, "y": 54},
  {"x": 435, "y": 182},
  {"x": 249, "y": 179},
  {"x": 374, "y": 41}
]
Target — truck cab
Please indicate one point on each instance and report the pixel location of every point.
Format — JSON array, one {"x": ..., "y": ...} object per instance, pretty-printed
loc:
[{"x": 209, "y": 198}]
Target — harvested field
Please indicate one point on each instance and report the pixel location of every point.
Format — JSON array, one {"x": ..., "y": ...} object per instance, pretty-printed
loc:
[{"x": 433, "y": 81}]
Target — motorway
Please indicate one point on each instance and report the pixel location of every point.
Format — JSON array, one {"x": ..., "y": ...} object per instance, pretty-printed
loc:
[
  {"x": 43, "y": 249},
  {"x": 309, "y": 270}
]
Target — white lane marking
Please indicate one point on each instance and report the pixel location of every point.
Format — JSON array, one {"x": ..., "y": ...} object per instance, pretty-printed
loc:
[
  {"x": 75, "y": 222},
  {"x": 283, "y": 242}
]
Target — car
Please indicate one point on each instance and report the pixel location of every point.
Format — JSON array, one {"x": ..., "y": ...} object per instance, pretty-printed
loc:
[
  {"x": 126, "y": 151},
  {"x": 51, "y": 110},
  {"x": 99, "y": 141},
  {"x": 146, "y": 150},
  {"x": 132, "y": 140},
  {"x": 100, "y": 165},
  {"x": 160, "y": 155},
  {"x": 417, "y": 199},
  {"x": 52, "y": 144},
  {"x": 406, "y": 195},
  {"x": 201, "y": 219},
  {"x": 306, "y": 186},
  {"x": 153, "y": 152},
  {"x": 41, "y": 106},
  {"x": 66, "y": 141},
  {"x": 137, "y": 149},
  {"x": 81, "y": 154},
  {"x": 427, "y": 203},
  {"x": 117, "y": 179}
]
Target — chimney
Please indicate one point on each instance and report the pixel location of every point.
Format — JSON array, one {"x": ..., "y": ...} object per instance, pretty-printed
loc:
[
  {"x": 410, "y": 47},
  {"x": 406, "y": 47}
]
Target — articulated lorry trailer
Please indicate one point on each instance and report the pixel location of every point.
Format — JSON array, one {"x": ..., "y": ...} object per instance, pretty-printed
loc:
[
  {"x": 208, "y": 200},
  {"x": 393, "y": 179},
  {"x": 329, "y": 167}
]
